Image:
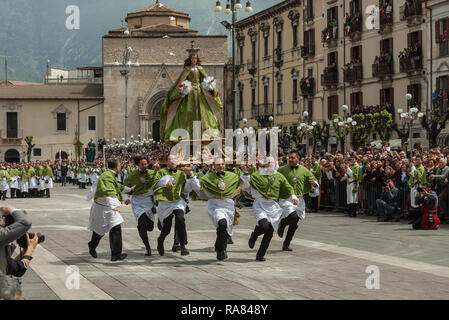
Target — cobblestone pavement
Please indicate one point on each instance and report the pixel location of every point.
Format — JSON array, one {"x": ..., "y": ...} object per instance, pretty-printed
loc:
[{"x": 330, "y": 258}]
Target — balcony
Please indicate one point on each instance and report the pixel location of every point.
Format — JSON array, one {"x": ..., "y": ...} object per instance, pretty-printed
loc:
[
  {"x": 329, "y": 78},
  {"x": 307, "y": 86},
  {"x": 382, "y": 69},
  {"x": 386, "y": 22},
  {"x": 442, "y": 104},
  {"x": 251, "y": 65},
  {"x": 354, "y": 75},
  {"x": 411, "y": 64},
  {"x": 329, "y": 38},
  {"x": 12, "y": 136},
  {"x": 355, "y": 33},
  {"x": 308, "y": 51},
  {"x": 263, "y": 113},
  {"x": 278, "y": 58},
  {"x": 443, "y": 48},
  {"x": 411, "y": 13}
]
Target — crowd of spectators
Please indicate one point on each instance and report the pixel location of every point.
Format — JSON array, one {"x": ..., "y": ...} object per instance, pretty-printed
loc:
[
  {"x": 330, "y": 32},
  {"x": 386, "y": 12},
  {"x": 412, "y": 7},
  {"x": 352, "y": 22}
]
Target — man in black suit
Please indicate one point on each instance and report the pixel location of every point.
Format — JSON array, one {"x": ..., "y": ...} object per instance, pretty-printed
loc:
[{"x": 21, "y": 223}]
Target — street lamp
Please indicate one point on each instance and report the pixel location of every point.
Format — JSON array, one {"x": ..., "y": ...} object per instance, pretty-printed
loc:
[
  {"x": 231, "y": 8},
  {"x": 409, "y": 117},
  {"x": 344, "y": 125},
  {"x": 127, "y": 54}
]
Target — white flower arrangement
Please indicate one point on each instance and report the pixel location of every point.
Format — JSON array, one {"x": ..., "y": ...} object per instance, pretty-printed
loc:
[
  {"x": 209, "y": 83},
  {"x": 185, "y": 87}
]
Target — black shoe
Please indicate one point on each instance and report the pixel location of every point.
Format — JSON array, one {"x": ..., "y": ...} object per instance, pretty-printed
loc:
[
  {"x": 221, "y": 255},
  {"x": 286, "y": 248},
  {"x": 184, "y": 251},
  {"x": 121, "y": 257},
  {"x": 92, "y": 251},
  {"x": 260, "y": 258},
  {"x": 148, "y": 252},
  {"x": 176, "y": 248},
  {"x": 252, "y": 240},
  {"x": 230, "y": 240},
  {"x": 160, "y": 246}
]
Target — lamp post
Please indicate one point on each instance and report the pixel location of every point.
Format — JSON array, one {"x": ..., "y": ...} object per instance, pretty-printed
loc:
[
  {"x": 125, "y": 65},
  {"x": 305, "y": 129},
  {"x": 231, "y": 8},
  {"x": 343, "y": 126},
  {"x": 409, "y": 117}
]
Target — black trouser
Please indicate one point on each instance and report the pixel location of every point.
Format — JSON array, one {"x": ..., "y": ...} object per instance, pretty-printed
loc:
[
  {"x": 314, "y": 203},
  {"x": 222, "y": 235},
  {"x": 292, "y": 222},
  {"x": 20, "y": 194},
  {"x": 180, "y": 226},
  {"x": 47, "y": 192},
  {"x": 417, "y": 221},
  {"x": 4, "y": 194},
  {"x": 144, "y": 225},
  {"x": 263, "y": 227},
  {"x": 115, "y": 240},
  {"x": 13, "y": 192}
]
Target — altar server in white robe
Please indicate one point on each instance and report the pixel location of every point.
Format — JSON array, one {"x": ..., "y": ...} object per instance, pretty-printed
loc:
[
  {"x": 105, "y": 213},
  {"x": 266, "y": 186}
]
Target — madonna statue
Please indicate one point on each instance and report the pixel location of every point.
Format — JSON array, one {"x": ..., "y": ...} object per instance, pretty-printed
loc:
[{"x": 193, "y": 97}]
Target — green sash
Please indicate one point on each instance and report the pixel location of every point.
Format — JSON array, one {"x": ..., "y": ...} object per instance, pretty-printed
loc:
[
  {"x": 298, "y": 178},
  {"x": 273, "y": 186},
  {"x": 108, "y": 186},
  {"x": 221, "y": 186}
]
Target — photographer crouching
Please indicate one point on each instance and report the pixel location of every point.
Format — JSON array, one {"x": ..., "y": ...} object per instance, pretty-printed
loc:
[
  {"x": 428, "y": 217},
  {"x": 388, "y": 205},
  {"x": 14, "y": 227}
]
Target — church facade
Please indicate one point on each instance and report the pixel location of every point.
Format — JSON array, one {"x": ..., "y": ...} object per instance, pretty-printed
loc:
[{"x": 158, "y": 37}]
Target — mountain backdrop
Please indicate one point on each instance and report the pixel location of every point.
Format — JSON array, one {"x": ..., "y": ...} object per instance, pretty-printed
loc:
[{"x": 32, "y": 31}]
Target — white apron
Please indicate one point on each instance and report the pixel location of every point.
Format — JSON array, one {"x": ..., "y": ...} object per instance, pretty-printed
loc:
[
  {"x": 32, "y": 183},
  {"x": 221, "y": 209},
  {"x": 41, "y": 184},
  {"x": 102, "y": 218},
  {"x": 141, "y": 204},
  {"x": 4, "y": 185},
  {"x": 14, "y": 184},
  {"x": 288, "y": 207},
  {"x": 23, "y": 186},
  {"x": 351, "y": 197},
  {"x": 82, "y": 178},
  {"x": 49, "y": 184}
]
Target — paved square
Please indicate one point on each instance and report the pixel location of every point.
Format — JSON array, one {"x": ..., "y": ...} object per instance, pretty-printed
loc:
[{"x": 330, "y": 257}]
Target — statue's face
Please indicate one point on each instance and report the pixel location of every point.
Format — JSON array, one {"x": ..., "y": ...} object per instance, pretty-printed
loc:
[{"x": 194, "y": 60}]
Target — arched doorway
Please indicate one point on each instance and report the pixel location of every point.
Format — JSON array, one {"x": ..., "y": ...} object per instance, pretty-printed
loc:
[
  {"x": 63, "y": 155},
  {"x": 12, "y": 155},
  {"x": 155, "y": 116}
]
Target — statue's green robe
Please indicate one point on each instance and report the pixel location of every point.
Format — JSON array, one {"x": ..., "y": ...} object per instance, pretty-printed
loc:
[{"x": 179, "y": 112}]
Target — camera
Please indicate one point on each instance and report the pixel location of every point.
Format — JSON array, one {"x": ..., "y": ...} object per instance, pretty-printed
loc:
[{"x": 22, "y": 241}]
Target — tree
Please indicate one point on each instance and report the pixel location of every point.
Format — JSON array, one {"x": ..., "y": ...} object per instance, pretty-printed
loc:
[
  {"x": 363, "y": 129},
  {"x": 339, "y": 131},
  {"x": 382, "y": 124},
  {"x": 434, "y": 124},
  {"x": 30, "y": 146},
  {"x": 321, "y": 133}
]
